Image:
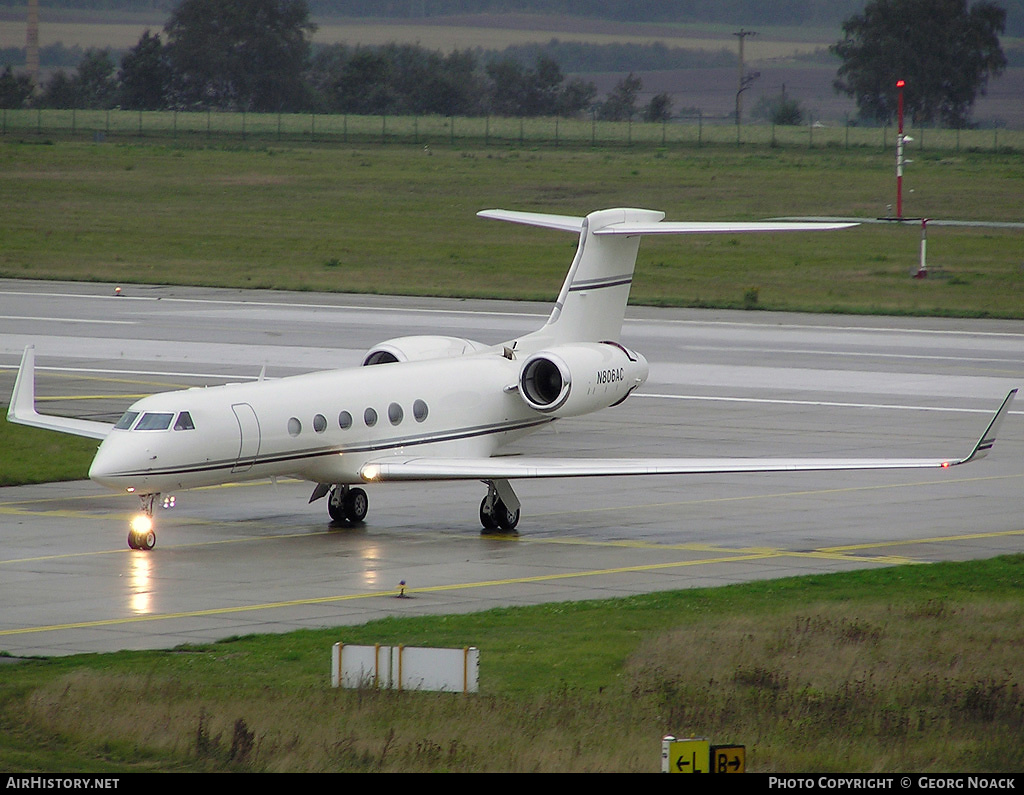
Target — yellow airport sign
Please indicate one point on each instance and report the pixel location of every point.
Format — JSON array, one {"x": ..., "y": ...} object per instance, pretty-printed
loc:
[
  {"x": 685, "y": 756},
  {"x": 728, "y": 759}
]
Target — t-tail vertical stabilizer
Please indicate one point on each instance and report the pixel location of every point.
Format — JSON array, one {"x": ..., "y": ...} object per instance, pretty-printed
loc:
[{"x": 592, "y": 302}]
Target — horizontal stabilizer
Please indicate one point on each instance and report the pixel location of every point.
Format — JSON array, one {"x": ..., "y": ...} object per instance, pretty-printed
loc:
[
  {"x": 714, "y": 227},
  {"x": 23, "y": 406},
  {"x": 568, "y": 223},
  {"x": 564, "y": 223},
  {"x": 514, "y": 467}
]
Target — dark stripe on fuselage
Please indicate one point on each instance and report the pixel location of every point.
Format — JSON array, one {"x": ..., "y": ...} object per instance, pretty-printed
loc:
[{"x": 369, "y": 447}]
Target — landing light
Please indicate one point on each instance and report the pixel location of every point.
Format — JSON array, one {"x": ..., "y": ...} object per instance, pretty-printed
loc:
[
  {"x": 141, "y": 523},
  {"x": 371, "y": 472}
]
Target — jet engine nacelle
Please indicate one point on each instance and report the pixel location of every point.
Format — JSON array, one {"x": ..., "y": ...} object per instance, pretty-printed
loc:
[
  {"x": 574, "y": 379},
  {"x": 415, "y": 349}
]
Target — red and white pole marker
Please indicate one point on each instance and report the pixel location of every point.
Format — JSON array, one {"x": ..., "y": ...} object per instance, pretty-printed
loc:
[{"x": 899, "y": 154}]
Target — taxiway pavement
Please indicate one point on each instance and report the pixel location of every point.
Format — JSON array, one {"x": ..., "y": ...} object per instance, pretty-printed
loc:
[{"x": 256, "y": 558}]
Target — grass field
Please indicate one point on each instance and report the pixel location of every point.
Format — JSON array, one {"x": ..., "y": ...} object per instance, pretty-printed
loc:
[
  {"x": 912, "y": 669},
  {"x": 34, "y": 456},
  {"x": 400, "y": 219}
]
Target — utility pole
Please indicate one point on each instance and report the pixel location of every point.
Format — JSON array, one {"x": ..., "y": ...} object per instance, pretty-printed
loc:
[
  {"x": 744, "y": 80},
  {"x": 32, "y": 42}
]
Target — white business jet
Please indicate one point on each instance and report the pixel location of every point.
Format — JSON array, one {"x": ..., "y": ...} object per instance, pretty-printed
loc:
[{"x": 428, "y": 408}]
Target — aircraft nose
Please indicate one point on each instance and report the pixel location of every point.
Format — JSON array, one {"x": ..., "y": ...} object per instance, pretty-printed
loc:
[{"x": 106, "y": 465}]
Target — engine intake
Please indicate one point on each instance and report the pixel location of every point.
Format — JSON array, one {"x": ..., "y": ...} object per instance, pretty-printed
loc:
[
  {"x": 419, "y": 348},
  {"x": 545, "y": 381}
]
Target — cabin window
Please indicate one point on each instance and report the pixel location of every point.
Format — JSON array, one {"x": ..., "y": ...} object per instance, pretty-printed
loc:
[
  {"x": 319, "y": 423},
  {"x": 126, "y": 420},
  {"x": 370, "y": 418},
  {"x": 153, "y": 421},
  {"x": 419, "y": 410},
  {"x": 294, "y": 426},
  {"x": 184, "y": 422},
  {"x": 344, "y": 420},
  {"x": 395, "y": 413}
]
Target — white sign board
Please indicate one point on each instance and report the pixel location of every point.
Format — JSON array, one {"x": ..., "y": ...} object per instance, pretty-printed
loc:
[{"x": 406, "y": 668}]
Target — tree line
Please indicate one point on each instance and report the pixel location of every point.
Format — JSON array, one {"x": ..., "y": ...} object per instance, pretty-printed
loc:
[{"x": 255, "y": 55}]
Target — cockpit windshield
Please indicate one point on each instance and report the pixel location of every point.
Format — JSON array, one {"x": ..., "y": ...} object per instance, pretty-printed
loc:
[
  {"x": 126, "y": 420},
  {"x": 154, "y": 421}
]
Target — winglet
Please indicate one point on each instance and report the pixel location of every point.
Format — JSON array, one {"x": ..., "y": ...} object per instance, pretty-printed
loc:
[
  {"x": 23, "y": 406},
  {"x": 23, "y": 398},
  {"x": 988, "y": 438}
]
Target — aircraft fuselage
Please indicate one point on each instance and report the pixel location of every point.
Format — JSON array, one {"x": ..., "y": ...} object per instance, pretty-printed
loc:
[{"x": 321, "y": 427}]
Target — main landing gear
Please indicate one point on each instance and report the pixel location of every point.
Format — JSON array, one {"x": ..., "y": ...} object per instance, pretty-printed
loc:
[
  {"x": 499, "y": 511},
  {"x": 347, "y": 505},
  {"x": 141, "y": 534}
]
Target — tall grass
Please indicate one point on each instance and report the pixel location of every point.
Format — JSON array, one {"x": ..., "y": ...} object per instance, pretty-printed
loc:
[{"x": 875, "y": 688}]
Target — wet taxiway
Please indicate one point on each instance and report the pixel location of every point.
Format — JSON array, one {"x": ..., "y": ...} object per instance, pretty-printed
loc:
[{"x": 256, "y": 558}]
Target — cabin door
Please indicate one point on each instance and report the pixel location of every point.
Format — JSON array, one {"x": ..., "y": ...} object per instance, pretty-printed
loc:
[{"x": 249, "y": 437}]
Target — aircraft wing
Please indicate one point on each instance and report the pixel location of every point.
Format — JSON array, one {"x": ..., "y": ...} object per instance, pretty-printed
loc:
[
  {"x": 514, "y": 467},
  {"x": 23, "y": 406}
]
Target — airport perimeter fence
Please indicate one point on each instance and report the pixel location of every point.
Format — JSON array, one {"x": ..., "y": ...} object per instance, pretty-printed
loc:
[{"x": 694, "y": 131}]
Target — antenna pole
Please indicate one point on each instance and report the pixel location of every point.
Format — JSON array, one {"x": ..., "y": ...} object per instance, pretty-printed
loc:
[{"x": 900, "y": 161}]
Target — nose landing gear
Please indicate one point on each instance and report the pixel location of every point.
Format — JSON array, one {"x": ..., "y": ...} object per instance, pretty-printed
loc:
[{"x": 141, "y": 534}]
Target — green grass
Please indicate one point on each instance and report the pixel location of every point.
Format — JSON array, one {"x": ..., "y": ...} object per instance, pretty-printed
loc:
[
  {"x": 910, "y": 668},
  {"x": 398, "y": 219},
  {"x": 30, "y": 455}
]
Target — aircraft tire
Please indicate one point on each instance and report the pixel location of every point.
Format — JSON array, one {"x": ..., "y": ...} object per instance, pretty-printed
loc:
[
  {"x": 507, "y": 520},
  {"x": 355, "y": 505},
  {"x": 487, "y": 520},
  {"x": 144, "y": 541}
]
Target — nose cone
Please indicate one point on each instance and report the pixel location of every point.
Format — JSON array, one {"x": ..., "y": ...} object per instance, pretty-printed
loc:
[{"x": 108, "y": 466}]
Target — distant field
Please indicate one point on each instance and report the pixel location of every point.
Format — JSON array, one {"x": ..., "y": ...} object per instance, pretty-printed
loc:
[
  {"x": 120, "y": 31},
  {"x": 497, "y": 34},
  {"x": 400, "y": 219}
]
